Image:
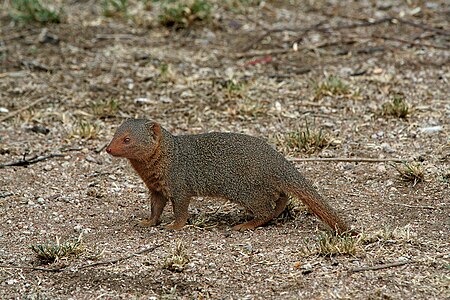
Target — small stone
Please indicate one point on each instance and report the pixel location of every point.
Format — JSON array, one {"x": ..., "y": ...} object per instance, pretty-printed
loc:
[
  {"x": 40, "y": 200},
  {"x": 4, "y": 110},
  {"x": 92, "y": 160},
  {"x": 387, "y": 148},
  {"x": 432, "y": 129},
  {"x": 143, "y": 101},
  {"x": 31, "y": 203},
  {"x": 78, "y": 228},
  {"x": 165, "y": 99},
  {"x": 186, "y": 94},
  {"x": 48, "y": 168},
  {"x": 40, "y": 129}
]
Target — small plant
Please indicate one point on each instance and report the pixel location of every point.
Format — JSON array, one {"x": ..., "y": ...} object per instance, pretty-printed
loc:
[
  {"x": 166, "y": 73},
  {"x": 178, "y": 260},
  {"x": 105, "y": 108},
  {"x": 331, "y": 86},
  {"x": 51, "y": 252},
  {"x": 34, "y": 11},
  {"x": 251, "y": 109},
  {"x": 308, "y": 140},
  {"x": 114, "y": 8},
  {"x": 389, "y": 234},
  {"x": 329, "y": 244},
  {"x": 412, "y": 172},
  {"x": 183, "y": 13},
  {"x": 85, "y": 130},
  {"x": 397, "y": 107}
]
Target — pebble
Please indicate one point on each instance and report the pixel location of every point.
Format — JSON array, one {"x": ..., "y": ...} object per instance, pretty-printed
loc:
[
  {"x": 40, "y": 200},
  {"x": 11, "y": 281},
  {"x": 387, "y": 148},
  {"x": 432, "y": 129}
]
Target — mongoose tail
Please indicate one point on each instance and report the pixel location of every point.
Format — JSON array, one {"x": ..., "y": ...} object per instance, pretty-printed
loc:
[{"x": 308, "y": 195}]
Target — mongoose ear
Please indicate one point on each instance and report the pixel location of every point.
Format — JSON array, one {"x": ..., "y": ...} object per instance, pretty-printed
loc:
[{"x": 156, "y": 129}]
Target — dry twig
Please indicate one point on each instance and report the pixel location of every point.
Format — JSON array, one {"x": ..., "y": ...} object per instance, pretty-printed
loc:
[
  {"x": 354, "y": 159},
  {"x": 379, "y": 267},
  {"x": 26, "y": 162},
  {"x": 12, "y": 114}
]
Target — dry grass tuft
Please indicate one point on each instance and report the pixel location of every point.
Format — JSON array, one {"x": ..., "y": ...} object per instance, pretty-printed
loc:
[
  {"x": 389, "y": 234},
  {"x": 177, "y": 261},
  {"x": 85, "y": 130},
  {"x": 329, "y": 244}
]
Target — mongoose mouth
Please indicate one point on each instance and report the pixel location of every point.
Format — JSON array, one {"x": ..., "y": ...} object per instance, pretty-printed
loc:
[{"x": 111, "y": 151}]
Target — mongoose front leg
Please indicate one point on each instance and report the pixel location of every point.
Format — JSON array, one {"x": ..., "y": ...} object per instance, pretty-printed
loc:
[
  {"x": 158, "y": 202},
  {"x": 180, "y": 211}
]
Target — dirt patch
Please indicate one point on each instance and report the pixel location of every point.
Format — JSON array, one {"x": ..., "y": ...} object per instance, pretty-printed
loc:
[{"x": 266, "y": 69}]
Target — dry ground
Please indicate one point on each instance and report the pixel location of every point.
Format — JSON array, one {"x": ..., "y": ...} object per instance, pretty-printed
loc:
[{"x": 91, "y": 72}]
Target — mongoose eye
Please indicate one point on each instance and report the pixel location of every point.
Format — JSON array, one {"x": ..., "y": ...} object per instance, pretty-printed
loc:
[{"x": 126, "y": 140}]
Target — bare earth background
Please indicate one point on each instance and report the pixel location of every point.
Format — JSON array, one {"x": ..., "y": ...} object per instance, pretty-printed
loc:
[{"x": 232, "y": 72}]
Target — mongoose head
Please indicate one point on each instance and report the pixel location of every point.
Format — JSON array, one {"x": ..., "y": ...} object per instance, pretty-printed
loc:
[{"x": 135, "y": 139}]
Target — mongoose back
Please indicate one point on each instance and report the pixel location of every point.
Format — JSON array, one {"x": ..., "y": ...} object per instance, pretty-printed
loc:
[{"x": 237, "y": 167}]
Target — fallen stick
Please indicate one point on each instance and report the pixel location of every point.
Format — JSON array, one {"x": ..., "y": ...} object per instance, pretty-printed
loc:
[
  {"x": 343, "y": 159},
  {"x": 379, "y": 267},
  {"x": 26, "y": 162},
  {"x": 412, "y": 43},
  {"x": 414, "y": 206},
  {"x": 90, "y": 265},
  {"x": 12, "y": 114}
]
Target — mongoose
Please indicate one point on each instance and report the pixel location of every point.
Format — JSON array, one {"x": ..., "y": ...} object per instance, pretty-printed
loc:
[{"x": 238, "y": 167}]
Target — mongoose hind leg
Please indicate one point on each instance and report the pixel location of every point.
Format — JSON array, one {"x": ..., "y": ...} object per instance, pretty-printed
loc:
[
  {"x": 180, "y": 211},
  {"x": 158, "y": 202},
  {"x": 262, "y": 211},
  {"x": 280, "y": 205}
]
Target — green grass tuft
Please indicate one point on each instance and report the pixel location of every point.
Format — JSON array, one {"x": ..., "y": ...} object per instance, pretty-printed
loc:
[
  {"x": 105, "y": 108},
  {"x": 183, "y": 13},
  {"x": 411, "y": 172},
  {"x": 307, "y": 139},
  {"x": 27, "y": 11},
  {"x": 398, "y": 107},
  {"x": 50, "y": 252},
  {"x": 331, "y": 86},
  {"x": 114, "y": 8}
]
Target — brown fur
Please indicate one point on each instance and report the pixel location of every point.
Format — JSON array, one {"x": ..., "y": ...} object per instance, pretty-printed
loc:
[{"x": 237, "y": 167}]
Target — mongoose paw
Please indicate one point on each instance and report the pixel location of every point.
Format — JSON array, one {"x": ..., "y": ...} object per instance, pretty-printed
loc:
[
  {"x": 174, "y": 227},
  {"x": 243, "y": 227},
  {"x": 148, "y": 222}
]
